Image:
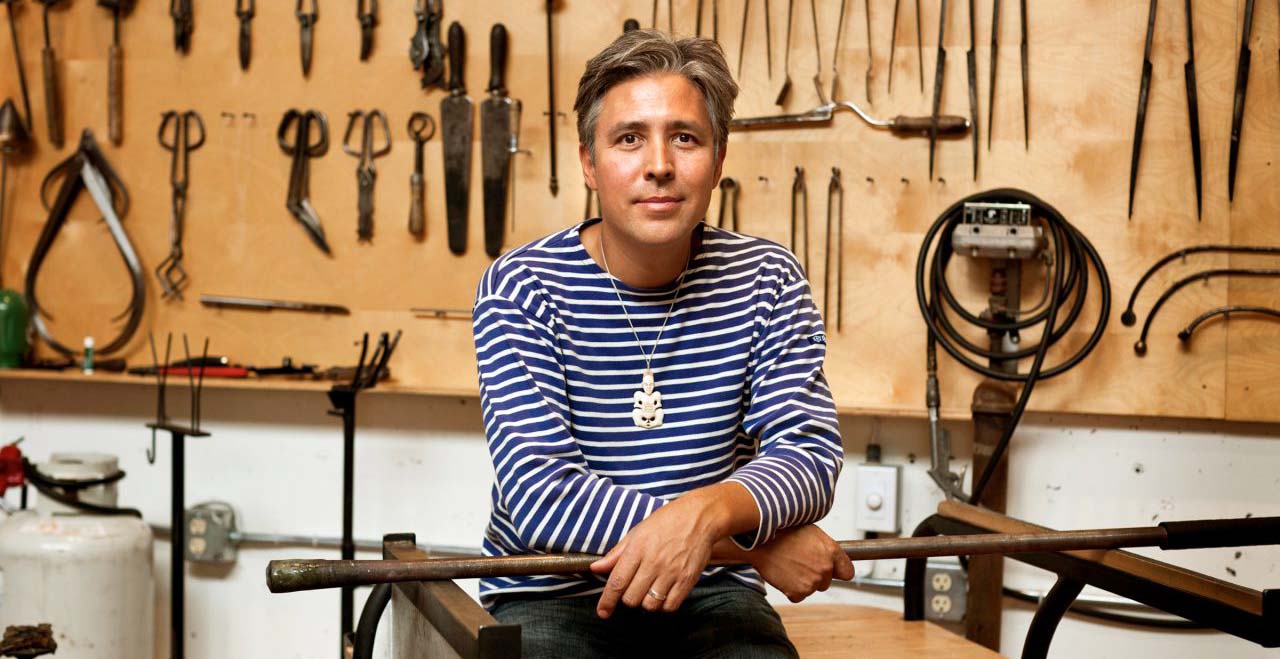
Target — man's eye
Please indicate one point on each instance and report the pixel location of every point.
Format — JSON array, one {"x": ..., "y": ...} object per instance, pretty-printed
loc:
[
  {"x": 685, "y": 138},
  {"x": 629, "y": 139}
]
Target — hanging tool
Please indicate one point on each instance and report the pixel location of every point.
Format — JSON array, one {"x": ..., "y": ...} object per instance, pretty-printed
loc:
[
  {"x": 821, "y": 116},
  {"x": 366, "y": 172},
  {"x": 1129, "y": 318},
  {"x": 971, "y": 60},
  {"x": 367, "y": 13},
  {"x": 14, "y": 139},
  {"x": 421, "y": 129},
  {"x": 742, "y": 40},
  {"x": 768, "y": 40},
  {"x": 49, "y": 66},
  {"x": 871, "y": 58},
  {"x": 17, "y": 60},
  {"x": 245, "y": 10},
  {"x": 800, "y": 218},
  {"x": 1026, "y": 79},
  {"x": 87, "y": 169},
  {"x": 426, "y": 51},
  {"x": 920, "y": 45},
  {"x": 310, "y": 140},
  {"x": 306, "y": 32},
  {"x": 294, "y": 575},
  {"x": 455, "y": 121},
  {"x": 670, "y": 17},
  {"x": 499, "y": 131},
  {"x": 183, "y": 22},
  {"x": 728, "y": 203},
  {"x": 1185, "y": 333},
  {"x": 1242, "y": 88},
  {"x": 995, "y": 59},
  {"x": 115, "y": 70},
  {"x": 1140, "y": 346},
  {"x": 1193, "y": 104},
  {"x": 817, "y": 54},
  {"x": 715, "y": 21},
  {"x": 835, "y": 57},
  {"x": 786, "y": 59},
  {"x": 630, "y": 25},
  {"x": 234, "y": 302},
  {"x": 835, "y": 218},
  {"x": 180, "y": 133},
  {"x": 893, "y": 42},
  {"x": 697, "y": 25},
  {"x": 1144, "y": 89},
  {"x": 939, "y": 75},
  {"x": 552, "y": 116}
]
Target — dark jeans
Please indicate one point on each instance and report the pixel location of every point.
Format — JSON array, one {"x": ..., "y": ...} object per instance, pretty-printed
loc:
[{"x": 720, "y": 619}]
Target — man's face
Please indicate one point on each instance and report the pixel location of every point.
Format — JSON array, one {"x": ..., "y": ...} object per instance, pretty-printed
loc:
[{"x": 655, "y": 164}]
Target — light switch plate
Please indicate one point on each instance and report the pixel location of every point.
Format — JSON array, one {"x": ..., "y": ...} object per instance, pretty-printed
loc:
[{"x": 876, "y": 492}]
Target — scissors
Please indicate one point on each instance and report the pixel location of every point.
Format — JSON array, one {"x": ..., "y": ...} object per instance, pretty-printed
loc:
[
  {"x": 310, "y": 140},
  {"x": 180, "y": 133},
  {"x": 366, "y": 173}
]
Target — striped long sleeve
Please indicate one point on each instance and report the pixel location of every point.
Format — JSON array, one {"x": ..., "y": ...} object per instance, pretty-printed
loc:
[
  {"x": 791, "y": 412},
  {"x": 735, "y": 349}
]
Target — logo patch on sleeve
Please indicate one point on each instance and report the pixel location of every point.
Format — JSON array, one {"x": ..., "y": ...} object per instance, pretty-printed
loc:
[{"x": 818, "y": 339}]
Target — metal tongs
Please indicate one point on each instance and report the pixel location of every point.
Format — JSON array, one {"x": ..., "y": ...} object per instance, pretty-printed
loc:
[{"x": 900, "y": 125}]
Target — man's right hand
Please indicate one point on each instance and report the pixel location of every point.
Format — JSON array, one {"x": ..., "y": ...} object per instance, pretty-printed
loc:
[{"x": 800, "y": 561}]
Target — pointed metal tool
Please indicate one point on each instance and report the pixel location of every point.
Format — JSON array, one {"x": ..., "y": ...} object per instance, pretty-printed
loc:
[
  {"x": 1237, "y": 107},
  {"x": 995, "y": 60},
  {"x": 971, "y": 59},
  {"x": 499, "y": 122},
  {"x": 1193, "y": 105},
  {"x": 939, "y": 75},
  {"x": 17, "y": 60},
  {"x": 245, "y": 11},
  {"x": 768, "y": 40},
  {"x": 115, "y": 70},
  {"x": 893, "y": 42},
  {"x": 920, "y": 45},
  {"x": 183, "y": 24},
  {"x": 1143, "y": 92},
  {"x": 817, "y": 54},
  {"x": 1026, "y": 81},
  {"x": 554, "y": 183},
  {"x": 742, "y": 40},
  {"x": 306, "y": 32},
  {"x": 52, "y": 95},
  {"x": 786, "y": 59},
  {"x": 835, "y": 56},
  {"x": 871, "y": 58},
  {"x": 455, "y": 123}
]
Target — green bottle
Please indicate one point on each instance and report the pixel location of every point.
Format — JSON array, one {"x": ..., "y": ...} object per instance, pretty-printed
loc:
[{"x": 13, "y": 328}]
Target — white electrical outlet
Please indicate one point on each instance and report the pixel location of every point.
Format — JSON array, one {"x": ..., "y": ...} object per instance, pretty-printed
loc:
[
  {"x": 947, "y": 586},
  {"x": 876, "y": 492}
]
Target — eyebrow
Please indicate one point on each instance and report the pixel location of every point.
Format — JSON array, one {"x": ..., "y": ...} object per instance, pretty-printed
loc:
[{"x": 679, "y": 124}]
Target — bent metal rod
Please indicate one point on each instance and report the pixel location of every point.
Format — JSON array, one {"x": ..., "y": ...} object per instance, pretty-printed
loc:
[{"x": 285, "y": 576}]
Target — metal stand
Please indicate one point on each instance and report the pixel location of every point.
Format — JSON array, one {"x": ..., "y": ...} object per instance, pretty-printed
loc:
[
  {"x": 177, "y": 497},
  {"x": 343, "y": 398}
]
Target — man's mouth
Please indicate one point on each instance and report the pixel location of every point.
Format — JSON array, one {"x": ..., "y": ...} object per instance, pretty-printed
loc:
[{"x": 660, "y": 202}]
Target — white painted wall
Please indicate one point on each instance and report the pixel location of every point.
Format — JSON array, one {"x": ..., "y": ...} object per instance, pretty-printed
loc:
[{"x": 421, "y": 466}]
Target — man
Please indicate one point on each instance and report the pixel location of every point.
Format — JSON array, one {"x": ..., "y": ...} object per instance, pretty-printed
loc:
[{"x": 652, "y": 388}]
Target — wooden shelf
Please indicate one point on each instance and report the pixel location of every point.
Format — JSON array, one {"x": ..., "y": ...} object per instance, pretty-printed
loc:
[{"x": 251, "y": 383}]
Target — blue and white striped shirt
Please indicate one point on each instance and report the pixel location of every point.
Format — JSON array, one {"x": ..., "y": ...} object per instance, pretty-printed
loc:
[{"x": 739, "y": 367}]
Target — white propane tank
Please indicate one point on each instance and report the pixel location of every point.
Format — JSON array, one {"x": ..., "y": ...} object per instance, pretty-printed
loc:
[{"x": 86, "y": 574}]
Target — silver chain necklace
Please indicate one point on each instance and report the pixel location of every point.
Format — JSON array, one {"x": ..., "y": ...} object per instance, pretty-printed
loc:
[{"x": 646, "y": 411}]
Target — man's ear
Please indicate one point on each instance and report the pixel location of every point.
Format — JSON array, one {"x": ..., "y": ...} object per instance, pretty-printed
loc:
[
  {"x": 588, "y": 165},
  {"x": 720, "y": 159}
]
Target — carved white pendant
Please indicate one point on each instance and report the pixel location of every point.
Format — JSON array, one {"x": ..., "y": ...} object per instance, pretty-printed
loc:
[{"x": 647, "y": 410}]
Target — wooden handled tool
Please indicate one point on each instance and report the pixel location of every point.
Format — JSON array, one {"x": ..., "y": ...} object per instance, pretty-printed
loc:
[{"x": 286, "y": 576}]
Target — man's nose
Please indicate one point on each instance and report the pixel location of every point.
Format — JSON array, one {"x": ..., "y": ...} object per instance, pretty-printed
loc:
[{"x": 658, "y": 165}]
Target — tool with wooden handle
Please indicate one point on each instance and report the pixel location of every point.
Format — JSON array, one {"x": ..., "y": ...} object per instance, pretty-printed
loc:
[
  {"x": 115, "y": 70},
  {"x": 455, "y": 123},
  {"x": 900, "y": 125},
  {"x": 499, "y": 122},
  {"x": 286, "y": 576},
  {"x": 49, "y": 64}
]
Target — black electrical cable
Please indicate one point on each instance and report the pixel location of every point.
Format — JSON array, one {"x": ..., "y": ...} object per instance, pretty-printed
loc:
[
  {"x": 49, "y": 487},
  {"x": 1185, "y": 334},
  {"x": 1073, "y": 256},
  {"x": 1128, "y": 318},
  {"x": 1094, "y": 611},
  {"x": 1140, "y": 346}
]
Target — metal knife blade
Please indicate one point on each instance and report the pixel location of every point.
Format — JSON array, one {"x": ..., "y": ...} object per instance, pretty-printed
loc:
[
  {"x": 495, "y": 143},
  {"x": 455, "y": 120}
]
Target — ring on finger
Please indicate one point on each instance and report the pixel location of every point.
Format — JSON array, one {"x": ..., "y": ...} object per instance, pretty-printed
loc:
[{"x": 654, "y": 594}]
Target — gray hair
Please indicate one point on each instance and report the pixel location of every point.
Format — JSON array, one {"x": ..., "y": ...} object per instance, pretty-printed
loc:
[{"x": 648, "y": 52}]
